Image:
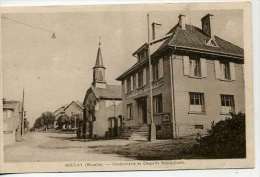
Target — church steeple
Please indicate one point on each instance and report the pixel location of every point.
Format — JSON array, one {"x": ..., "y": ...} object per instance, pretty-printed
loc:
[{"x": 99, "y": 70}]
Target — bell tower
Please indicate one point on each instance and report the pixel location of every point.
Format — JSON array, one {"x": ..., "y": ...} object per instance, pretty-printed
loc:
[{"x": 99, "y": 70}]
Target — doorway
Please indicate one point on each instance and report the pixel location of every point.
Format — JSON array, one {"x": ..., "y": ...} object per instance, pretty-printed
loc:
[{"x": 142, "y": 109}]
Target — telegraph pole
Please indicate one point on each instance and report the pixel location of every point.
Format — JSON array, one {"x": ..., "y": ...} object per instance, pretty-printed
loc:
[
  {"x": 152, "y": 133},
  {"x": 22, "y": 121}
]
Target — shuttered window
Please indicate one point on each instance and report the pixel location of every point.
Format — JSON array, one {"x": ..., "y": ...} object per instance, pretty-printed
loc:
[
  {"x": 155, "y": 71},
  {"x": 157, "y": 104},
  {"x": 225, "y": 70},
  {"x": 160, "y": 67},
  {"x": 125, "y": 85},
  {"x": 194, "y": 66},
  {"x": 144, "y": 76},
  {"x": 140, "y": 79}
]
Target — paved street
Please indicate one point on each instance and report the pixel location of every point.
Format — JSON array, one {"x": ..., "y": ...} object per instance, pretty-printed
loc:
[{"x": 42, "y": 147}]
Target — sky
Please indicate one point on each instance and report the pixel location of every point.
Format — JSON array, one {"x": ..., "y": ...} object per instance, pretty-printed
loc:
[{"x": 53, "y": 72}]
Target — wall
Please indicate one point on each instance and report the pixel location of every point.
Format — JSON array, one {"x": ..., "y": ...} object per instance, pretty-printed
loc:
[
  {"x": 212, "y": 88},
  {"x": 162, "y": 86},
  {"x": 105, "y": 110}
]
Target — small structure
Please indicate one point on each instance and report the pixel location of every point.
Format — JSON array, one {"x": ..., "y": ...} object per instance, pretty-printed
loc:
[
  {"x": 102, "y": 104},
  {"x": 12, "y": 114}
]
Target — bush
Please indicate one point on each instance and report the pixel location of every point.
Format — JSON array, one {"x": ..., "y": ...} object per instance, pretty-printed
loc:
[{"x": 225, "y": 139}]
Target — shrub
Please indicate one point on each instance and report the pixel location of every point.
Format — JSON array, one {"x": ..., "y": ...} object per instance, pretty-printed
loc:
[{"x": 225, "y": 139}]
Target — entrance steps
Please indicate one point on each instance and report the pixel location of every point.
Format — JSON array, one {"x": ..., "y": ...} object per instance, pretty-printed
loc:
[{"x": 139, "y": 133}]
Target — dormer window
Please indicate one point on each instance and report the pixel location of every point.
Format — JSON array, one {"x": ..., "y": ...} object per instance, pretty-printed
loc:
[{"x": 142, "y": 55}]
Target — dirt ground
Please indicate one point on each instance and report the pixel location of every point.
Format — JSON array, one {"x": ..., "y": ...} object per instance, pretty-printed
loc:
[{"x": 52, "y": 147}]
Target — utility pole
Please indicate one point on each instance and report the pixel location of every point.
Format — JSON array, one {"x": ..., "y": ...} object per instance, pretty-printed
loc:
[
  {"x": 152, "y": 133},
  {"x": 22, "y": 121}
]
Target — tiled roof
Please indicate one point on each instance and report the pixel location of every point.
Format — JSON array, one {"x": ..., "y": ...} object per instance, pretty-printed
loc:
[
  {"x": 110, "y": 92},
  {"x": 192, "y": 38}
]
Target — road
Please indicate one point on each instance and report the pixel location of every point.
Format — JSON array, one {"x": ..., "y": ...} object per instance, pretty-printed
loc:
[{"x": 53, "y": 147}]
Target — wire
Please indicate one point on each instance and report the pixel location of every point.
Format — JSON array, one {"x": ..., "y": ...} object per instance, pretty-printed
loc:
[{"x": 30, "y": 26}]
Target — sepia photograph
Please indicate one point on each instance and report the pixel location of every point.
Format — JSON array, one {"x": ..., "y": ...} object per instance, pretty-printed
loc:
[{"x": 127, "y": 87}]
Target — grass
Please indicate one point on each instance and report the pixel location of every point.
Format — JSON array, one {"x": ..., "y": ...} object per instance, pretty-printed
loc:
[{"x": 157, "y": 150}]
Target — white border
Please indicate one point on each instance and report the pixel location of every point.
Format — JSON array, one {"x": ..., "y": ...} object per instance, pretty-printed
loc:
[{"x": 179, "y": 173}]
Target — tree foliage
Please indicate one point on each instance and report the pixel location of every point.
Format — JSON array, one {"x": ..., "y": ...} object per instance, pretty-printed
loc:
[
  {"x": 46, "y": 120},
  {"x": 225, "y": 139}
]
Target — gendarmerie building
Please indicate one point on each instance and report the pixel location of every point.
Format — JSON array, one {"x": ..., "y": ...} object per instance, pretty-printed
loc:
[{"x": 197, "y": 79}]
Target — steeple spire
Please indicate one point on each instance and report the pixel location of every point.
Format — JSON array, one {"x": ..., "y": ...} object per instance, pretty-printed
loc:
[{"x": 99, "y": 69}]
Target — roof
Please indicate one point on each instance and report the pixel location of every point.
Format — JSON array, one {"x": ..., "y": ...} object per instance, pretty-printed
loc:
[
  {"x": 99, "y": 59},
  {"x": 193, "y": 37},
  {"x": 190, "y": 39},
  {"x": 77, "y": 103},
  {"x": 110, "y": 92},
  {"x": 12, "y": 105}
]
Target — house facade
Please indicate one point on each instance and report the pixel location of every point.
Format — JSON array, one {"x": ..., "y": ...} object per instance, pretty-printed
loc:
[
  {"x": 12, "y": 117},
  {"x": 75, "y": 112},
  {"x": 71, "y": 115},
  {"x": 102, "y": 103},
  {"x": 197, "y": 79}
]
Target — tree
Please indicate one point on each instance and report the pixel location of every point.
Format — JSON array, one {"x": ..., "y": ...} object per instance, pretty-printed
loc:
[
  {"x": 225, "y": 139},
  {"x": 46, "y": 120}
]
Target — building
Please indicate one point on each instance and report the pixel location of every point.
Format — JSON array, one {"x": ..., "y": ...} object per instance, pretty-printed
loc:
[
  {"x": 68, "y": 116},
  {"x": 74, "y": 111},
  {"x": 102, "y": 104},
  {"x": 197, "y": 79},
  {"x": 12, "y": 115},
  {"x": 58, "y": 113}
]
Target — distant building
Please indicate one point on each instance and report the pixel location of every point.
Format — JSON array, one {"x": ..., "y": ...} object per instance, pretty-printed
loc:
[
  {"x": 75, "y": 112},
  {"x": 197, "y": 78},
  {"x": 102, "y": 104},
  {"x": 71, "y": 114},
  {"x": 12, "y": 114}
]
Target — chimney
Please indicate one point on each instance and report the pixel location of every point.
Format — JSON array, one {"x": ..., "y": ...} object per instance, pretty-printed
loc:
[
  {"x": 207, "y": 25},
  {"x": 182, "y": 21}
]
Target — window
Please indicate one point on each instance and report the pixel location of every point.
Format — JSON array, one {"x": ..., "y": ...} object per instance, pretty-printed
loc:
[
  {"x": 155, "y": 71},
  {"x": 227, "y": 104},
  {"x": 129, "y": 111},
  {"x": 140, "y": 78},
  {"x": 134, "y": 81},
  {"x": 195, "y": 69},
  {"x": 197, "y": 102},
  {"x": 157, "y": 104},
  {"x": 142, "y": 55},
  {"x": 128, "y": 84},
  {"x": 225, "y": 69}
]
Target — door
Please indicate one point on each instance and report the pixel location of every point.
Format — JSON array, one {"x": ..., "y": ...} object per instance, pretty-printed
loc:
[{"x": 142, "y": 106}]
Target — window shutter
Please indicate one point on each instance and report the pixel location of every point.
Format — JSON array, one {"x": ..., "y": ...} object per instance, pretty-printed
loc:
[
  {"x": 136, "y": 80},
  {"x": 132, "y": 83},
  {"x": 186, "y": 68},
  {"x": 203, "y": 63},
  {"x": 160, "y": 67},
  {"x": 217, "y": 69},
  {"x": 232, "y": 70},
  {"x": 125, "y": 85},
  {"x": 144, "y": 76}
]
